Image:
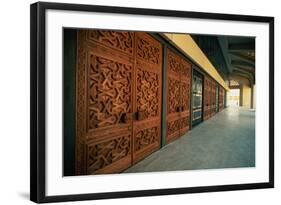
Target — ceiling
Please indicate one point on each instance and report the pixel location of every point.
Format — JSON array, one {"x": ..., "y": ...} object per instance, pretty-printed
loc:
[{"x": 233, "y": 56}]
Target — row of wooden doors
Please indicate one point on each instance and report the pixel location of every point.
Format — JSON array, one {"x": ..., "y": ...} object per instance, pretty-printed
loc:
[
  {"x": 213, "y": 98},
  {"x": 210, "y": 87},
  {"x": 119, "y": 99},
  {"x": 118, "y": 103}
]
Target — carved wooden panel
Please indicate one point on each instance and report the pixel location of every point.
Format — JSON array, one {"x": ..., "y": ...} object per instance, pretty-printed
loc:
[
  {"x": 148, "y": 49},
  {"x": 173, "y": 121},
  {"x": 178, "y": 96},
  {"x": 122, "y": 41},
  {"x": 118, "y": 100},
  {"x": 173, "y": 129},
  {"x": 104, "y": 101},
  {"x": 173, "y": 97},
  {"x": 207, "y": 98},
  {"x": 109, "y": 96},
  {"x": 146, "y": 139},
  {"x": 110, "y": 155},
  {"x": 213, "y": 97},
  {"x": 185, "y": 96},
  {"x": 221, "y": 98},
  {"x": 148, "y": 94}
]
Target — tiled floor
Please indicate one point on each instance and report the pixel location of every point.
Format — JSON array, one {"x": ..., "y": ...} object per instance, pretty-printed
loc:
[{"x": 227, "y": 140}]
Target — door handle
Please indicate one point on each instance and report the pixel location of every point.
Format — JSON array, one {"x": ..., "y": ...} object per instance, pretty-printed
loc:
[
  {"x": 139, "y": 115},
  {"x": 125, "y": 117}
]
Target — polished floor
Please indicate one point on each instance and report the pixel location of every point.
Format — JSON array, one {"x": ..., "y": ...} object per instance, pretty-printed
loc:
[{"x": 227, "y": 140}]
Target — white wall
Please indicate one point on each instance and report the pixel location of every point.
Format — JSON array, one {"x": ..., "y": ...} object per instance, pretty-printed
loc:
[{"x": 14, "y": 103}]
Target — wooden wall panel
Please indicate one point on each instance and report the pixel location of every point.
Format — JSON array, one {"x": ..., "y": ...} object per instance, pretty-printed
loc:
[
  {"x": 185, "y": 96},
  {"x": 210, "y": 100},
  {"x": 173, "y": 121},
  {"x": 207, "y": 98},
  {"x": 178, "y": 96},
  {"x": 213, "y": 98},
  {"x": 118, "y": 99},
  {"x": 148, "y": 95},
  {"x": 221, "y": 98}
]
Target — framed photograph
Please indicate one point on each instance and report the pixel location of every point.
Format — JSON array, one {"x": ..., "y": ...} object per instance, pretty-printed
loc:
[{"x": 129, "y": 102}]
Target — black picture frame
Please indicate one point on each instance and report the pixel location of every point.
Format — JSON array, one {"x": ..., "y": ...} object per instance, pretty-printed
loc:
[{"x": 38, "y": 101}]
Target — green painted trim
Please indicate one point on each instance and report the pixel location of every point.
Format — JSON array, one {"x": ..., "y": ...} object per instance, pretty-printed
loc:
[{"x": 69, "y": 64}]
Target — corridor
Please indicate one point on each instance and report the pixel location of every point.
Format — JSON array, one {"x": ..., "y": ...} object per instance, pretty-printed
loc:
[{"x": 227, "y": 140}]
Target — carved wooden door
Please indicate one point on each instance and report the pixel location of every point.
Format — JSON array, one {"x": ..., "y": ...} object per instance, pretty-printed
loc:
[
  {"x": 178, "y": 96},
  {"x": 185, "y": 96},
  {"x": 213, "y": 97},
  {"x": 221, "y": 98},
  {"x": 118, "y": 99},
  {"x": 104, "y": 101},
  {"x": 148, "y": 94},
  {"x": 173, "y": 123}
]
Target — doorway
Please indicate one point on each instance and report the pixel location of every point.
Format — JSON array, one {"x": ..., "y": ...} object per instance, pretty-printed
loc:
[{"x": 197, "y": 91}]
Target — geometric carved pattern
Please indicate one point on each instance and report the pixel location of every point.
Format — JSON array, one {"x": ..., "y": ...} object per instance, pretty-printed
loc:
[
  {"x": 105, "y": 153},
  {"x": 185, "y": 96},
  {"x": 210, "y": 99},
  {"x": 184, "y": 122},
  {"x": 173, "y": 126},
  {"x": 146, "y": 137},
  {"x": 147, "y": 51},
  {"x": 174, "y": 63},
  {"x": 123, "y": 41},
  {"x": 221, "y": 98},
  {"x": 173, "y": 95},
  {"x": 109, "y": 91},
  {"x": 119, "y": 77},
  {"x": 213, "y": 108},
  {"x": 148, "y": 93},
  {"x": 178, "y": 95}
]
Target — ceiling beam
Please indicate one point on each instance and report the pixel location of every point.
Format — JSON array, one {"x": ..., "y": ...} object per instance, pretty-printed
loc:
[
  {"x": 241, "y": 57},
  {"x": 248, "y": 46},
  {"x": 252, "y": 70},
  {"x": 223, "y": 42},
  {"x": 242, "y": 63},
  {"x": 244, "y": 72}
]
